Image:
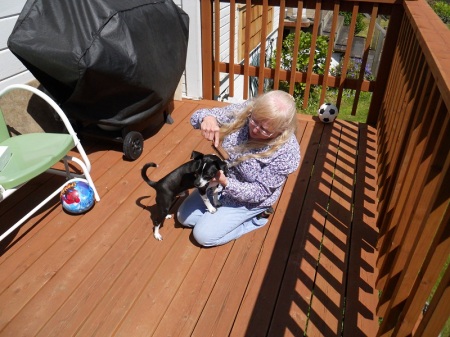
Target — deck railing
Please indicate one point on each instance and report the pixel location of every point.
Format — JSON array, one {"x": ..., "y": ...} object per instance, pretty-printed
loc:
[
  {"x": 413, "y": 160},
  {"x": 410, "y": 107},
  {"x": 223, "y": 33}
]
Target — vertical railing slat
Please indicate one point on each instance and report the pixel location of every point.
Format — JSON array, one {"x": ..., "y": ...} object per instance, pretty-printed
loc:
[
  {"x": 385, "y": 65},
  {"x": 262, "y": 55},
  {"x": 329, "y": 52},
  {"x": 232, "y": 45},
  {"x": 362, "y": 71},
  {"x": 216, "y": 48},
  {"x": 348, "y": 52},
  {"x": 311, "y": 54},
  {"x": 295, "y": 54},
  {"x": 276, "y": 80},
  {"x": 248, "y": 24}
]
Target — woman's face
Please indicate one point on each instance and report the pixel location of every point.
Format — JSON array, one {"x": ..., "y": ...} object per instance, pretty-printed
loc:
[{"x": 260, "y": 129}]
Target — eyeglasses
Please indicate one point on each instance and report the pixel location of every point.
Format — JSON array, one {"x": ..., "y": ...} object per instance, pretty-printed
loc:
[{"x": 263, "y": 131}]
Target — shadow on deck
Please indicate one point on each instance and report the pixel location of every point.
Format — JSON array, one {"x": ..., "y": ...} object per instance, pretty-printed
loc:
[{"x": 310, "y": 271}]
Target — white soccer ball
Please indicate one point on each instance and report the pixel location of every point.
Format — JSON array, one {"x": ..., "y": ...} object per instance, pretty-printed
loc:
[{"x": 327, "y": 112}]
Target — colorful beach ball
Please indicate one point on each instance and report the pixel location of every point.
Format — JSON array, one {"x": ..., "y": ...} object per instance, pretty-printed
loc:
[{"x": 77, "y": 196}]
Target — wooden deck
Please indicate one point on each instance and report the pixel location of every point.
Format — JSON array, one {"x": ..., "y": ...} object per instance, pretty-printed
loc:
[{"x": 309, "y": 271}]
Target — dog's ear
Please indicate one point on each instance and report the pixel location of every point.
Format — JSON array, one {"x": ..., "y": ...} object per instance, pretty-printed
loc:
[
  {"x": 196, "y": 155},
  {"x": 224, "y": 167}
]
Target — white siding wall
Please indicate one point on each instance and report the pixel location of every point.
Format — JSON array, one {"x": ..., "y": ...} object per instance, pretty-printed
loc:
[
  {"x": 12, "y": 71},
  {"x": 192, "y": 85},
  {"x": 224, "y": 32}
]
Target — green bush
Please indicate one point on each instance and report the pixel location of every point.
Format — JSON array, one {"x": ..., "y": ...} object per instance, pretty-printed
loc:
[
  {"x": 442, "y": 9},
  {"x": 303, "y": 53},
  {"x": 360, "y": 23}
]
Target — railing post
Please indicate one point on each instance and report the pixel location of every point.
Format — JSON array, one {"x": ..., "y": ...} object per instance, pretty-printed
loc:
[{"x": 385, "y": 64}]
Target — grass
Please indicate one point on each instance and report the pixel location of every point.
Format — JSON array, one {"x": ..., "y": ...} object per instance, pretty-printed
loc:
[
  {"x": 345, "y": 108},
  {"x": 446, "y": 330}
]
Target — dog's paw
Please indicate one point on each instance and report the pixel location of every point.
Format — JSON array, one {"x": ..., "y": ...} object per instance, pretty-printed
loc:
[
  {"x": 169, "y": 216},
  {"x": 212, "y": 210},
  {"x": 157, "y": 235}
]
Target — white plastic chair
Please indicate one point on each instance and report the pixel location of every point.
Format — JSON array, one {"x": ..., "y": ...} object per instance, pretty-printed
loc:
[{"x": 35, "y": 153}]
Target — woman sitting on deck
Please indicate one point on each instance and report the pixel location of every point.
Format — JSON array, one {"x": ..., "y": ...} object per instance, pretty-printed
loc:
[{"x": 259, "y": 136}]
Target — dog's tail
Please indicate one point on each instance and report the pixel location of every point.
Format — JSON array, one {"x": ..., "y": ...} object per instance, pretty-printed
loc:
[{"x": 144, "y": 173}]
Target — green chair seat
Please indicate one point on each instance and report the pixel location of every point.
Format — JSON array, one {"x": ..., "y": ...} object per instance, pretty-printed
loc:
[
  {"x": 31, "y": 155},
  {"x": 35, "y": 153}
]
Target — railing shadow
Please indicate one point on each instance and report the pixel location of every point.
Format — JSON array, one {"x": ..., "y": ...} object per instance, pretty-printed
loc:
[{"x": 318, "y": 275}]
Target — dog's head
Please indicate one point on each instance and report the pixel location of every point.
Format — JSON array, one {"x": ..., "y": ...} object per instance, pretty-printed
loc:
[{"x": 207, "y": 167}]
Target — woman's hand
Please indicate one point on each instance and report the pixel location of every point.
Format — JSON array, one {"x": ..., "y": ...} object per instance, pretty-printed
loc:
[
  {"x": 221, "y": 178},
  {"x": 210, "y": 129}
]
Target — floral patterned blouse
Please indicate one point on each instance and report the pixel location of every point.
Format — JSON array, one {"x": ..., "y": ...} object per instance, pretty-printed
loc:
[{"x": 254, "y": 182}]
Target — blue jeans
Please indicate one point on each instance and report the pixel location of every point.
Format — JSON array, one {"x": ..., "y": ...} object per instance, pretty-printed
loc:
[{"x": 227, "y": 224}]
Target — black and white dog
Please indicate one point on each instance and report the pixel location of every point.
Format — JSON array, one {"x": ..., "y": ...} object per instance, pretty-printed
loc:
[{"x": 197, "y": 172}]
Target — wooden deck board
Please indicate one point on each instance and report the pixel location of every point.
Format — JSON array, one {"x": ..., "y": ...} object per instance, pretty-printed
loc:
[
  {"x": 329, "y": 290},
  {"x": 265, "y": 281},
  {"x": 361, "y": 296},
  {"x": 104, "y": 274}
]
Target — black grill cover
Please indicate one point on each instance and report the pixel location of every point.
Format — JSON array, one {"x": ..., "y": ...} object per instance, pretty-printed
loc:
[{"x": 115, "y": 62}]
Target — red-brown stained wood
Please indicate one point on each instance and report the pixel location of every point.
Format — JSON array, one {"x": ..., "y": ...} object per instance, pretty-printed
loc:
[
  {"x": 103, "y": 272},
  {"x": 331, "y": 273},
  {"x": 291, "y": 311},
  {"x": 63, "y": 275},
  {"x": 268, "y": 272},
  {"x": 361, "y": 295}
]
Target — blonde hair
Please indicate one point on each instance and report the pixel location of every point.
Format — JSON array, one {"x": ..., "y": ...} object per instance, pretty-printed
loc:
[{"x": 277, "y": 107}]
